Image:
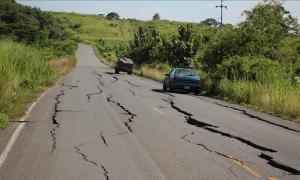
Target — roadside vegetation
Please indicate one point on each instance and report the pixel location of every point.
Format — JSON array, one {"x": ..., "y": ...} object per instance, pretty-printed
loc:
[
  {"x": 255, "y": 63},
  {"x": 34, "y": 51}
]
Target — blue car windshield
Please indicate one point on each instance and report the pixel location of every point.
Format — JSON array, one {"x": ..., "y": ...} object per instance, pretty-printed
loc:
[{"x": 185, "y": 72}]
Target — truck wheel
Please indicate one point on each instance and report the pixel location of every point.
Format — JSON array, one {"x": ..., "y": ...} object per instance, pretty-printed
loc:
[{"x": 116, "y": 71}]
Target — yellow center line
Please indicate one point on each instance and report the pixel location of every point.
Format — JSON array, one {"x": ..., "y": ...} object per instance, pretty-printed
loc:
[
  {"x": 272, "y": 178},
  {"x": 159, "y": 111},
  {"x": 246, "y": 167}
]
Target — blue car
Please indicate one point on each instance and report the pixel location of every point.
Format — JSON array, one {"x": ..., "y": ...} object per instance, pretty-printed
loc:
[{"x": 182, "y": 79}]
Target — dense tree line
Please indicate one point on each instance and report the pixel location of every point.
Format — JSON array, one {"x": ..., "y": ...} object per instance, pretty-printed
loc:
[{"x": 33, "y": 26}]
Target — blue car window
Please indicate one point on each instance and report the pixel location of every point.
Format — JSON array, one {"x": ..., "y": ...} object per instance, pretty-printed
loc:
[{"x": 185, "y": 72}]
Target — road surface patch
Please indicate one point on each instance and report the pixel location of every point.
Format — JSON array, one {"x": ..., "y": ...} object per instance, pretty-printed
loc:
[
  {"x": 159, "y": 111},
  {"x": 244, "y": 166}
]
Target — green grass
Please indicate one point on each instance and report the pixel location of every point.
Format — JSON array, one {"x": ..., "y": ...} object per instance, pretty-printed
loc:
[
  {"x": 25, "y": 72},
  {"x": 95, "y": 27},
  {"x": 3, "y": 120},
  {"x": 280, "y": 98}
]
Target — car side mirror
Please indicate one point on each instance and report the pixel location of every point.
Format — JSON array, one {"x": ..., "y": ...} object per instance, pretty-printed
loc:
[{"x": 167, "y": 75}]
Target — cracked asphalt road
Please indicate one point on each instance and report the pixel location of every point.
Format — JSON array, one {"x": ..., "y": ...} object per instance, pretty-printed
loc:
[{"x": 98, "y": 125}]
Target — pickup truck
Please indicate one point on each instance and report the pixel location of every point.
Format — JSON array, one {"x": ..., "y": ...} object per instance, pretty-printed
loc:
[{"x": 124, "y": 64}]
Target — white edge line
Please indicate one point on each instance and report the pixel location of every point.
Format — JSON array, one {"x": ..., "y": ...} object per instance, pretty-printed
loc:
[{"x": 18, "y": 130}]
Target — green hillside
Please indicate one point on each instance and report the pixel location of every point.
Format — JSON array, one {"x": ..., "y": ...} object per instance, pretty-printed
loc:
[{"x": 94, "y": 27}]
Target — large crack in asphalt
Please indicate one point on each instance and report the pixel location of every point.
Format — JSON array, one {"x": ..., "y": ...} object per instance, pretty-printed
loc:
[
  {"x": 279, "y": 165},
  {"x": 56, "y": 110},
  {"x": 130, "y": 119},
  {"x": 54, "y": 116},
  {"x": 54, "y": 120},
  {"x": 89, "y": 96},
  {"x": 257, "y": 117},
  {"x": 266, "y": 157},
  {"x": 130, "y": 83},
  {"x": 249, "y": 143},
  {"x": 85, "y": 158},
  {"x": 209, "y": 127}
]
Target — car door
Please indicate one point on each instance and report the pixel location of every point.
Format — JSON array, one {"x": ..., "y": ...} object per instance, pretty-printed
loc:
[{"x": 170, "y": 78}]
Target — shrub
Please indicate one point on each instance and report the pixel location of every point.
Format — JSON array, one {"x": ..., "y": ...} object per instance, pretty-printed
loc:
[
  {"x": 112, "y": 15},
  {"x": 257, "y": 69}
]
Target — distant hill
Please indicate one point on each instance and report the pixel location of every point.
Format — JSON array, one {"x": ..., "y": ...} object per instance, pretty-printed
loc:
[{"x": 91, "y": 28}]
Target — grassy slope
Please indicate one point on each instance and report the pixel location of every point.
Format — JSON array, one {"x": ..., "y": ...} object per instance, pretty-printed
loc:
[
  {"x": 95, "y": 27},
  {"x": 25, "y": 73}
]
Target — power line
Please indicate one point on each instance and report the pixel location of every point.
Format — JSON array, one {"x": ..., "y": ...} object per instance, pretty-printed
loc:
[{"x": 221, "y": 7}]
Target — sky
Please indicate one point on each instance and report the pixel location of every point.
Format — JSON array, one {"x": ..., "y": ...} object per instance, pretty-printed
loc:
[{"x": 190, "y": 11}]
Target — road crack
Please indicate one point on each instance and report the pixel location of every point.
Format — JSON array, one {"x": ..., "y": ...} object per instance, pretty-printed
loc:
[
  {"x": 103, "y": 138},
  {"x": 130, "y": 83},
  {"x": 85, "y": 158},
  {"x": 54, "y": 120},
  {"x": 198, "y": 144},
  {"x": 132, "y": 92},
  {"x": 210, "y": 128},
  {"x": 105, "y": 172},
  {"x": 99, "y": 76},
  {"x": 257, "y": 117},
  {"x": 234, "y": 174},
  {"x": 279, "y": 165},
  {"x": 130, "y": 119},
  {"x": 116, "y": 78},
  {"x": 121, "y": 133},
  {"x": 92, "y": 94},
  {"x": 70, "y": 86}
]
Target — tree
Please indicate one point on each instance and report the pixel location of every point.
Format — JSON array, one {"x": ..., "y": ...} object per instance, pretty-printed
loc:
[
  {"x": 210, "y": 22},
  {"x": 156, "y": 17},
  {"x": 261, "y": 34},
  {"x": 23, "y": 23},
  {"x": 146, "y": 45},
  {"x": 181, "y": 50},
  {"x": 112, "y": 15}
]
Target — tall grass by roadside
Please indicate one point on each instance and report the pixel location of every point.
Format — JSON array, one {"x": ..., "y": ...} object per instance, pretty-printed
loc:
[
  {"x": 280, "y": 98},
  {"x": 155, "y": 71},
  {"x": 24, "y": 71}
]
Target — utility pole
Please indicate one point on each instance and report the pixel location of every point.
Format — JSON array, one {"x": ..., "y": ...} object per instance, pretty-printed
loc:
[{"x": 221, "y": 7}]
